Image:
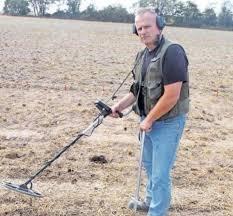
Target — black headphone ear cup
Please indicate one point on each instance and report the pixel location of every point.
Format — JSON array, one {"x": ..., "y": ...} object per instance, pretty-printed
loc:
[
  {"x": 160, "y": 22},
  {"x": 135, "y": 29}
]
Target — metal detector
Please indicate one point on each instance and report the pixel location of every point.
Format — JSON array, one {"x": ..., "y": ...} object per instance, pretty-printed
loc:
[{"x": 26, "y": 188}]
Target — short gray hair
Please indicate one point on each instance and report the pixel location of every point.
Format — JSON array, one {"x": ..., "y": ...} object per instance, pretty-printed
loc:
[{"x": 143, "y": 10}]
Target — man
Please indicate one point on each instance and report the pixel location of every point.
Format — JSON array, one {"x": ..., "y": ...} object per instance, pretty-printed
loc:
[{"x": 160, "y": 94}]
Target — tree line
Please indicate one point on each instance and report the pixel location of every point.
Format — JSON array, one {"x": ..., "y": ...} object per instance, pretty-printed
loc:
[{"x": 176, "y": 12}]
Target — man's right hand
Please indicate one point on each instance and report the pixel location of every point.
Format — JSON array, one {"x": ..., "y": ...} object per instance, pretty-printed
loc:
[
  {"x": 125, "y": 102},
  {"x": 115, "y": 111}
]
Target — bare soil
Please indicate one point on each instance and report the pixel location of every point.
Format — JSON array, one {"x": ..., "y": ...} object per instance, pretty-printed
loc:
[{"x": 51, "y": 73}]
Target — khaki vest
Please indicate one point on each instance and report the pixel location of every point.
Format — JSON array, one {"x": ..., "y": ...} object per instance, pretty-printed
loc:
[{"x": 153, "y": 88}]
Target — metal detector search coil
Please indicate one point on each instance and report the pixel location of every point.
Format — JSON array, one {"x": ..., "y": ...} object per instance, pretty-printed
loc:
[{"x": 21, "y": 189}]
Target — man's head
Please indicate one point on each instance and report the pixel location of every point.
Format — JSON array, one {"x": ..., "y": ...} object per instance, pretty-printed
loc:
[{"x": 147, "y": 29}]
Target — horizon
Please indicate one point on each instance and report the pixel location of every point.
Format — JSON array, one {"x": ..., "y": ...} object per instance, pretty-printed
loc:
[{"x": 128, "y": 4}]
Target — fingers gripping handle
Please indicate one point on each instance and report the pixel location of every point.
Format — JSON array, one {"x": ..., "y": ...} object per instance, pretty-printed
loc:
[
  {"x": 105, "y": 109},
  {"x": 120, "y": 114}
]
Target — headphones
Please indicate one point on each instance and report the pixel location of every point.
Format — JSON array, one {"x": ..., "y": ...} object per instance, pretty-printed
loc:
[{"x": 160, "y": 22}]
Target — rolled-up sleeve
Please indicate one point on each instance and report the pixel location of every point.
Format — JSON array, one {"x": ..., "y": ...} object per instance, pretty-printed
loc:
[{"x": 134, "y": 89}]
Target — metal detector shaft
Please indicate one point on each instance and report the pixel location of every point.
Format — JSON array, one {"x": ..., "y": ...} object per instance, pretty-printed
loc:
[
  {"x": 142, "y": 138},
  {"x": 89, "y": 129},
  {"x": 28, "y": 190},
  {"x": 48, "y": 163}
]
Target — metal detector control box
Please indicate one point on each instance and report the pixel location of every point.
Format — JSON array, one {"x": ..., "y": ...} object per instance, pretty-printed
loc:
[{"x": 103, "y": 108}]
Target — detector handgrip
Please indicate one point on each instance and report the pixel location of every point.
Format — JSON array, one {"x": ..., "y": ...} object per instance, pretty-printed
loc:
[
  {"x": 105, "y": 109},
  {"x": 120, "y": 114}
]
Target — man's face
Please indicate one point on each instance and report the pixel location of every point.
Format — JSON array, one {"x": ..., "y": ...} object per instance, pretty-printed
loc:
[{"x": 146, "y": 28}]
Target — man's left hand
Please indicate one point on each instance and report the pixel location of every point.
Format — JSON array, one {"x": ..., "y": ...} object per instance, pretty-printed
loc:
[{"x": 145, "y": 125}]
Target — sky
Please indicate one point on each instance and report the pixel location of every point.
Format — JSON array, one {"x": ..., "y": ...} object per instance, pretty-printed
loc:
[{"x": 202, "y": 4}]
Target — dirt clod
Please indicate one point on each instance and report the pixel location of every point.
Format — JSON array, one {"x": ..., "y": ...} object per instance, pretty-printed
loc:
[
  {"x": 74, "y": 181},
  {"x": 12, "y": 156},
  {"x": 99, "y": 159},
  {"x": 70, "y": 170}
]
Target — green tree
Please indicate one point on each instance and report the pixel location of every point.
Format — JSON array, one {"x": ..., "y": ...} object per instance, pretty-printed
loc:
[
  {"x": 178, "y": 13},
  {"x": 225, "y": 17},
  {"x": 90, "y": 13},
  {"x": 192, "y": 15},
  {"x": 166, "y": 7},
  {"x": 114, "y": 14},
  {"x": 16, "y": 7},
  {"x": 74, "y": 7},
  {"x": 40, "y": 7},
  {"x": 209, "y": 17}
]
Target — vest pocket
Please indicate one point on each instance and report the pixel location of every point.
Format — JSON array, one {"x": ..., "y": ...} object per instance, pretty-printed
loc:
[{"x": 154, "y": 90}]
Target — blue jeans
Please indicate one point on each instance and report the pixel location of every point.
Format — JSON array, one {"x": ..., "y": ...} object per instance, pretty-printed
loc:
[{"x": 159, "y": 154}]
